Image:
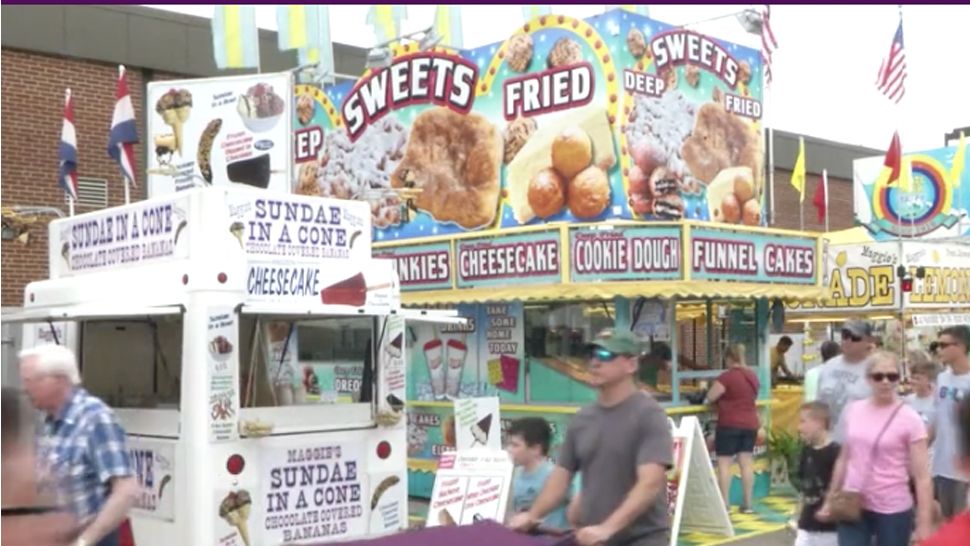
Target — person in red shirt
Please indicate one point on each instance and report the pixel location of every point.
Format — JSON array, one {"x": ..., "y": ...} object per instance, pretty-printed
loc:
[
  {"x": 735, "y": 393},
  {"x": 957, "y": 531}
]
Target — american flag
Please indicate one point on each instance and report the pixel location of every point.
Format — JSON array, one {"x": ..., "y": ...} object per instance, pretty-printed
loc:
[
  {"x": 123, "y": 134},
  {"x": 67, "y": 151},
  {"x": 892, "y": 72},
  {"x": 768, "y": 42}
]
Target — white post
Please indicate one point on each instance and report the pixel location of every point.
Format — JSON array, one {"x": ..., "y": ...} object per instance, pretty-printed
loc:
[{"x": 70, "y": 206}]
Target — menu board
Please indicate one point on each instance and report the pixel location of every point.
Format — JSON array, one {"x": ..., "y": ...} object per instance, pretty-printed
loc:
[
  {"x": 217, "y": 131},
  {"x": 469, "y": 487},
  {"x": 567, "y": 120}
]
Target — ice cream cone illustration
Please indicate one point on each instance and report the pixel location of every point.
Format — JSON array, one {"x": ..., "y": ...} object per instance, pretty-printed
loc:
[
  {"x": 237, "y": 229},
  {"x": 175, "y": 107},
  {"x": 235, "y": 509}
]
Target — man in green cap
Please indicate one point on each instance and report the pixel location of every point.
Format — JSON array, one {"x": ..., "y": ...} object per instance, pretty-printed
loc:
[{"x": 623, "y": 447}]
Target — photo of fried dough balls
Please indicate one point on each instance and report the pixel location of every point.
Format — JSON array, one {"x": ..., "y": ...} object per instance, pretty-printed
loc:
[
  {"x": 547, "y": 193},
  {"x": 589, "y": 193},
  {"x": 572, "y": 151}
]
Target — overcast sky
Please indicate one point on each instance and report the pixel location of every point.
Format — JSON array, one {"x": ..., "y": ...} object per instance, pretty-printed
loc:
[{"x": 824, "y": 69}]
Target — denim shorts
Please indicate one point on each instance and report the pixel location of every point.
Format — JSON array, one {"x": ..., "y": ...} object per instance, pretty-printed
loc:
[{"x": 729, "y": 441}]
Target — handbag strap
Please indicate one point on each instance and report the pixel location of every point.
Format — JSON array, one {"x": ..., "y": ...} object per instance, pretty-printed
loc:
[{"x": 875, "y": 444}]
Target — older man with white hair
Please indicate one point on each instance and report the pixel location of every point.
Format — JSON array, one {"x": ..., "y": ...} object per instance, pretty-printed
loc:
[{"x": 82, "y": 446}]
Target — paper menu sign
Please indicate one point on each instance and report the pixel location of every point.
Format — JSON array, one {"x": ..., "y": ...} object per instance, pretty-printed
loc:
[
  {"x": 469, "y": 487},
  {"x": 477, "y": 423},
  {"x": 218, "y": 131}
]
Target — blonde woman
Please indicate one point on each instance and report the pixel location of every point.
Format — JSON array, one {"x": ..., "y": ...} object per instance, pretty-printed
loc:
[
  {"x": 735, "y": 393},
  {"x": 885, "y": 446}
]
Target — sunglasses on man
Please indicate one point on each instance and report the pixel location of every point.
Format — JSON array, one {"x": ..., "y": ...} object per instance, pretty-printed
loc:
[
  {"x": 879, "y": 377},
  {"x": 604, "y": 355},
  {"x": 847, "y": 335}
]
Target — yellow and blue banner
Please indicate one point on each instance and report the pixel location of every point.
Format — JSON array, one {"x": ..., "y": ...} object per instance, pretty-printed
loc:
[
  {"x": 386, "y": 20},
  {"x": 235, "y": 38},
  {"x": 639, "y": 9},
  {"x": 447, "y": 24},
  {"x": 307, "y": 29},
  {"x": 531, "y": 12}
]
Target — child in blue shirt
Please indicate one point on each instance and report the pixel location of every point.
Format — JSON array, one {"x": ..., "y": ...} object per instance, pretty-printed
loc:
[{"x": 527, "y": 441}]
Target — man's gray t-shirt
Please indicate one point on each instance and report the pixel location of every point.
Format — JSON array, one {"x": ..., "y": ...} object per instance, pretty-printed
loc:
[
  {"x": 607, "y": 445},
  {"x": 951, "y": 388},
  {"x": 840, "y": 383}
]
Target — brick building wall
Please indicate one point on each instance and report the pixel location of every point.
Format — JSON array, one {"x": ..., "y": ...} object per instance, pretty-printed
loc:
[
  {"x": 32, "y": 99},
  {"x": 840, "y": 211}
]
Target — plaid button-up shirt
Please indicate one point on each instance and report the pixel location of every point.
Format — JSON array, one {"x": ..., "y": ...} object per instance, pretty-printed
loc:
[{"x": 83, "y": 449}]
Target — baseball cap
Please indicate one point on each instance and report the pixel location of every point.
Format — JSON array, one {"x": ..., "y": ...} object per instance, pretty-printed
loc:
[
  {"x": 859, "y": 328},
  {"x": 622, "y": 343}
]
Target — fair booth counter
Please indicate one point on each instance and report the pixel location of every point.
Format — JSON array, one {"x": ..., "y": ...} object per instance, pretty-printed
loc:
[{"x": 530, "y": 317}]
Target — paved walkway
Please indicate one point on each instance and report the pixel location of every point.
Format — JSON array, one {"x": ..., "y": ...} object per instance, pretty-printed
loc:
[{"x": 766, "y": 527}]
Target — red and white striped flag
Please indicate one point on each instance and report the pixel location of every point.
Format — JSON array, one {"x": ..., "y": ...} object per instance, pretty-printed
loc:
[
  {"x": 891, "y": 80},
  {"x": 768, "y": 42}
]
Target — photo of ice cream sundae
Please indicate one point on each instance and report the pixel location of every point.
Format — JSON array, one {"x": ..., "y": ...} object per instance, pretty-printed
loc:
[
  {"x": 220, "y": 347},
  {"x": 235, "y": 509},
  {"x": 260, "y": 108}
]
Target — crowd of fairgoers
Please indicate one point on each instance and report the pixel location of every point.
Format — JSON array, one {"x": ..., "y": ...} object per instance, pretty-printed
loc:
[{"x": 877, "y": 468}]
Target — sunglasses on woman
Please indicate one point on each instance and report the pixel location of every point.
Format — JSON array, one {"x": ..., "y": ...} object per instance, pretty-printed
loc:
[{"x": 879, "y": 377}]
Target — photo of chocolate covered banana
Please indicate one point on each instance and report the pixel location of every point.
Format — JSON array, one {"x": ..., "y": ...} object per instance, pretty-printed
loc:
[{"x": 204, "y": 152}]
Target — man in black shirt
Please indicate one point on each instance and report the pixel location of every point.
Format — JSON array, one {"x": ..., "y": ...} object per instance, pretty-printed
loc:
[{"x": 814, "y": 474}]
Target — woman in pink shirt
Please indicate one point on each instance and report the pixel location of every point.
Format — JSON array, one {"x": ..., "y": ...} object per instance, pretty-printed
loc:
[{"x": 885, "y": 446}]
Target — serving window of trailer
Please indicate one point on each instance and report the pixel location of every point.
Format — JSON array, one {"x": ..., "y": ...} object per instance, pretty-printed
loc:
[
  {"x": 706, "y": 330},
  {"x": 131, "y": 359},
  {"x": 294, "y": 371}
]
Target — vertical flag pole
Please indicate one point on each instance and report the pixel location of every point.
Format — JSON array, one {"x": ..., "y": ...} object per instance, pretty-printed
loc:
[
  {"x": 771, "y": 170},
  {"x": 70, "y": 197},
  {"x": 801, "y": 210},
  {"x": 121, "y": 73},
  {"x": 825, "y": 190}
]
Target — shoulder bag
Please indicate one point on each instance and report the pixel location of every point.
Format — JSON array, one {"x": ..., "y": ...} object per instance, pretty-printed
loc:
[{"x": 846, "y": 506}]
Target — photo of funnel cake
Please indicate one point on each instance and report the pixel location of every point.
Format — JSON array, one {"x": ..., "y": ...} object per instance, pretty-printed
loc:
[
  {"x": 175, "y": 107},
  {"x": 235, "y": 509}
]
